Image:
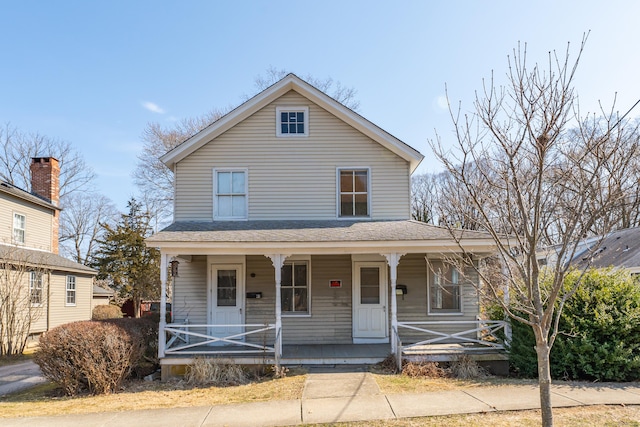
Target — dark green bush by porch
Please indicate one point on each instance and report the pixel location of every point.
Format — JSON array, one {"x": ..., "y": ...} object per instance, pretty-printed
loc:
[
  {"x": 601, "y": 332},
  {"x": 96, "y": 356}
]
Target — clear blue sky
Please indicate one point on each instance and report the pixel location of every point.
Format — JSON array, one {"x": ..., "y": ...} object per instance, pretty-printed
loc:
[{"x": 86, "y": 71}]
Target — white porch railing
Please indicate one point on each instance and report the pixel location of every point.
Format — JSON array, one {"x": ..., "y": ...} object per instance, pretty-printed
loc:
[
  {"x": 481, "y": 333},
  {"x": 185, "y": 339}
]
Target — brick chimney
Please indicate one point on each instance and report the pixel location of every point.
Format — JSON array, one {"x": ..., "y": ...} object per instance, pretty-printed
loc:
[{"x": 45, "y": 182}]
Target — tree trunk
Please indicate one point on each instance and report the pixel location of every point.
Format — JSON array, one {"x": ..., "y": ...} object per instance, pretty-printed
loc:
[{"x": 544, "y": 383}]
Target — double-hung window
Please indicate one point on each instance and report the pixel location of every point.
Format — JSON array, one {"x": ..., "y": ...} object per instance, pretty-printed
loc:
[
  {"x": 445, "y": 289},
  {"x": 71, "y": 290},
  {"x": 353, "y": 193},
  {"x": 294, "y": 287},
  {"x": 19, "y": 225},
  {"x": 230, "y": 193},
  {"x": 292, "y": 121},
  {"x": 35, "y": 288}
]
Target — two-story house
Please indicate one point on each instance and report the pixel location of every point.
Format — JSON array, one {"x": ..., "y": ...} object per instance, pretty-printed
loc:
[
  {"x": 292, "y": 240},
  {"x": 33, "y": 277}
]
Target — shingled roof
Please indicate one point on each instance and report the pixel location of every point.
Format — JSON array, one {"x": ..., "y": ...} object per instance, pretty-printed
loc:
[
  {"x": 619, "y": 249},
  {"x": 18, "y": 192},
  {"x": 41, "y": 259}
]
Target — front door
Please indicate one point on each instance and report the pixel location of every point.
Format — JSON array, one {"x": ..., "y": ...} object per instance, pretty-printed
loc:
[
  {"x": 370, "y": 302},
  {"x": 226, "y": 306}
]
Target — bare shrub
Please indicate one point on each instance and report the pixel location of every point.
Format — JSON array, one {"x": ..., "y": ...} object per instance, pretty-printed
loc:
[
  {"x": 465, "y": 368},
  {"x": 102, "y": 312},
  {"x": 93, "y": 356},
  {"x": 424, "y": 369},
  {"x": 218, "y": 372},
  {"x": 143, "y": 332}
]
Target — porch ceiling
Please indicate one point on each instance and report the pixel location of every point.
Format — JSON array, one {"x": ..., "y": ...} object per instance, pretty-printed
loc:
[{"x": 329, "y": 236}]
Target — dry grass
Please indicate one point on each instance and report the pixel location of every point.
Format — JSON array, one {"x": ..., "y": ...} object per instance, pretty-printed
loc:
[
  {"x": 395, "y": 384},
  {"x": 46, "y": 400},
  {"x": 565, "y": 417}
]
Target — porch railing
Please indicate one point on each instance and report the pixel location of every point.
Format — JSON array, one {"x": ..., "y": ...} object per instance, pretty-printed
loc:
[
  {"x": 188, "y": 339},
  {"x": 481, "y": 334}
]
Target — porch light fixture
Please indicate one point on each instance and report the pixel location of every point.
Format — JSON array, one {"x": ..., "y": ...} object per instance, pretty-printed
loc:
[{"x": 174, "y": 268}]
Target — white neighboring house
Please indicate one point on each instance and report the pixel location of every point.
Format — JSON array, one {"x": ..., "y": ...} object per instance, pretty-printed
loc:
[
  {"x": 292, "y": 241},
  {"x": 60, "y": 290}
]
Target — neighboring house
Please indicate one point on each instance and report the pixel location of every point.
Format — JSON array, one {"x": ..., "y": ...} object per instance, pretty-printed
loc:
[
  {"x": 60, "y": 290},
  {"x": 101, "y": 296},
  {"x": 292, "y": 240},
  {"x": 619, "y": 248}
]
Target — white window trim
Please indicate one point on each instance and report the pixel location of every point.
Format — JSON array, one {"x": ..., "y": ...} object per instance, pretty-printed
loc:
[
  {"x": 307, "y": 260},
  {"x": 288, "y": 109},
  {"x": 13, "y": 229},
  {"x": 430, "y": 277},
  {"x": 369, "y": 192},
  {"x": 75, "y": 291},
  {"x": 31, "y": 288},
  {"x": 215, "y": 194}
]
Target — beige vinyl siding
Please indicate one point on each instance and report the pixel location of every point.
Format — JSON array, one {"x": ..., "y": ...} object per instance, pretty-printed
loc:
[
  {"x": 61, "y": 313},
  {"x": 190, "y": 292},
  {"x": 413, "y": 271},
  {"x": 38, "y": 224},
  {"x": 292, "y": 178}
]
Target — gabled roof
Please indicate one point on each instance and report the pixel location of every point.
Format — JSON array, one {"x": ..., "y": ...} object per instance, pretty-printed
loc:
[
  {"x": 288, "y": 83},
  {"x": 41, "y": 259},
  {"x": 11, "y": 189}
]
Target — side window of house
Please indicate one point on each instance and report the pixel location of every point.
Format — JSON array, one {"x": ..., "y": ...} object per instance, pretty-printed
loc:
[
  {"x": 19, "y": 226},
  {"x": 292, "y": 121},
  {"x": 353, "y": 193},
  {"x": 230, "y": 194},
  {"x": 445, "y": 290},
  {"x": 294, "y": 288},
  {"x": 71, "y": 290},
  {"x": 35, "y": 288}
]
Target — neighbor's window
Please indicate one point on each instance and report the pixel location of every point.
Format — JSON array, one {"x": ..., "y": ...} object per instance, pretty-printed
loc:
[
  {"x": 35, "y": 287},
  {"x": 292, "y": 121},
  {"x": 445, "y": 295},
  {"x": 71, "y": 290},
  {"x": 353, "y": 193},
  {"x": 230, "y": 194},
  {"x": 19, "y": 223},
  {"x": 294, "y": 287}
]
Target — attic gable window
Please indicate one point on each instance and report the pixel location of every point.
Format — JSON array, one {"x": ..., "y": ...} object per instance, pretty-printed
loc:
[{"x": 292, "y": 121}]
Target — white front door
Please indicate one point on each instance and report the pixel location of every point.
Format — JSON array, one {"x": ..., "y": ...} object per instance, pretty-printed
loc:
[
  {"x": 370, "y": 317},
  {"x": 226, "y": 308}
]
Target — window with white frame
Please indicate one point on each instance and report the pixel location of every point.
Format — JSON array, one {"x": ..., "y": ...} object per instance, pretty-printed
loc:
[
  {"x": 230, "y": 193},
  {"x": 19, "y": 226},
  {"x": 353, "y": 193},
  {"x": 35, "y": 288},
  {"x": 71, "y": 290},
  {"x": 292, "y": 121},
  {"x": 445, "y": 289},
  {"x": 294, "y": 287}
]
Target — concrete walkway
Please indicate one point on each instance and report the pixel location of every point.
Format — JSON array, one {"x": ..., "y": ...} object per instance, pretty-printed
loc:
[{"x": 350, "y": 396}]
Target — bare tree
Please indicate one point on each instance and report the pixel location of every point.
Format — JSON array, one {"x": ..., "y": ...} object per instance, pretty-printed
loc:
[
  {"x": 530, "y": 184},
  {"x": 423, "y": 197},
  {"x": 80, "y": 224},
  {"x": 23, "y": 296},
  {"x": 18, "y": 148}
]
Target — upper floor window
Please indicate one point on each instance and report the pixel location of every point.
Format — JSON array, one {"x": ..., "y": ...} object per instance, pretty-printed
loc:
[
  {"x": 353, "y": 197},
  {"x": 230, "y": 193},
  {"x": 294, "y": 287},
  {"x": 445, "y": 290},
  {"x": 19, "y": 224},
  {"x": 71, "y": 290},
  {"x": 35, "y": 287},
  {"x": 292, "y": 121}
]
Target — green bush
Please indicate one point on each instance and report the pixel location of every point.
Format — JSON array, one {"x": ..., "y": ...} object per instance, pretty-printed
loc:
[
  {"x": 600, "y": 332},
  {"x": 102, "y": 312},
  {"x": 97, "y": 355}
]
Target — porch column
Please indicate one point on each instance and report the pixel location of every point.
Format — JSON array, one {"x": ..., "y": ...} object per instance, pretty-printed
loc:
[
  {"x": 393, "y": 259},
  {"x": 278, "y": 261},
  {"x": 163, "y": 305}
]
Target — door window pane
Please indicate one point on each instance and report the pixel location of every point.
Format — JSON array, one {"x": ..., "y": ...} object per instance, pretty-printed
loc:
[
  {"x": 369, "y": 285},
  {"x": 227, "y": 288}
]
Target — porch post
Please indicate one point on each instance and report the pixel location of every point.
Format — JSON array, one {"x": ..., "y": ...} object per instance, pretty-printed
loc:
[
  {"x": 163, "y": 305},
  {"x": 278, "y": 261},
  {"x": 393, "y": 259}
]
